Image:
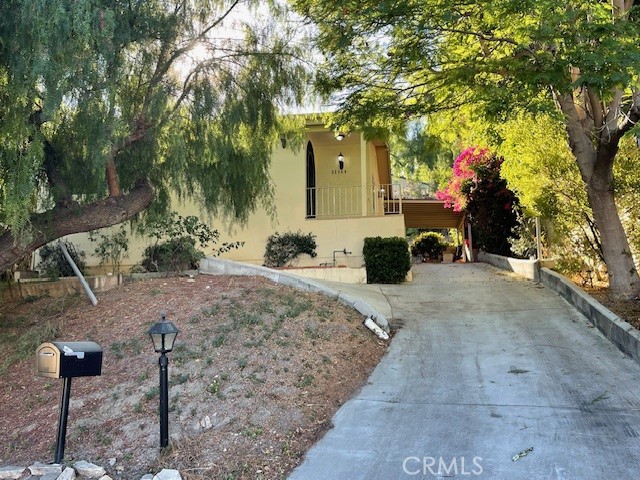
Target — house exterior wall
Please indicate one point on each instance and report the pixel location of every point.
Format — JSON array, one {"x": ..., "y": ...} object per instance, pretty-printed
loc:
[{"x": 288, "y": 173}]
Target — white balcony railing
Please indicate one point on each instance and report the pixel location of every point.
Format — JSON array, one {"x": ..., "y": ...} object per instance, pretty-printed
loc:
[{"x": 347, "y": 201}]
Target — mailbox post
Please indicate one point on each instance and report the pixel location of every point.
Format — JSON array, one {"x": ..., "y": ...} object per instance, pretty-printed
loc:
[{"x": 67, "y": 360}]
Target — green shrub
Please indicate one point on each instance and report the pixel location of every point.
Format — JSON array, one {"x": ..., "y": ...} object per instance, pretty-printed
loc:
[
  {"x": 175, "y": 243},
  {"x": 386, "y": 260},
  {"x": 282, "y": 248},
  {"x": 173, "y": 255},
  {"x": 111, "y": 247},
  {"x": 53, "y": 263},
  {"x": 428, "y": 244}
]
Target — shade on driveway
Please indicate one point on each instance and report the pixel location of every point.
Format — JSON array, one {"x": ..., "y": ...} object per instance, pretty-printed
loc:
[{"x": 486, "y": 367}]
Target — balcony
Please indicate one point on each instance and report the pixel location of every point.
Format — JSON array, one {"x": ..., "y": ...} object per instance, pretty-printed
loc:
[{"x": 349, "y": 201}]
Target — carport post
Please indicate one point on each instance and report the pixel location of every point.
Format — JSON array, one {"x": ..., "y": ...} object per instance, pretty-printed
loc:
[
  {"x": 538, "y": 240},
  {"x": 62, "y": 422},
  {"x": 470, "y": 243}
]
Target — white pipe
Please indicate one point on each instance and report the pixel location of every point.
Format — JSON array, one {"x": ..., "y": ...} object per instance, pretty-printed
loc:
[
  {"x": 78, "y": 273},
  {"x": 375, "y": 328}
]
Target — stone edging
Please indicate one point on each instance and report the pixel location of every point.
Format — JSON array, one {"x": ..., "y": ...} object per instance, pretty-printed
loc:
[
  {"x": 217, "y": 266},
  {"x": 620, "y": 333},
  {"x": 526, "y": 268}
]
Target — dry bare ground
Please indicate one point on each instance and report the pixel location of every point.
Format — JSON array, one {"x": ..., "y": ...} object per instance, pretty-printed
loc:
[{"x": 267, "y": 365}]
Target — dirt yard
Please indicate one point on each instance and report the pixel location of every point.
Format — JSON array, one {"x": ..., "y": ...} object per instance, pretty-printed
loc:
[
  {"x": 628, "y": 310},
  {"x": 256, "y": 375}
]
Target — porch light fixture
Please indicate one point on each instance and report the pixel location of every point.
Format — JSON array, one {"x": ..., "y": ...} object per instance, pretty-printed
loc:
[
  {"x": 340, "y": 161},
  {"x": 340, "y": 136},
  {"x": 283, "y": 141}
]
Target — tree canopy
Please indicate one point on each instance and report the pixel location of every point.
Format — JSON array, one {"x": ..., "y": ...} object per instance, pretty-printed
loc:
[
  {"x": 107, "y": 106},
  {"x": 391, "y": 59}
]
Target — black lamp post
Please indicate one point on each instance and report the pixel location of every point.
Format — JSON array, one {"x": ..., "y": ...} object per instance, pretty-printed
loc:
[{"x": 163, "y": 334}]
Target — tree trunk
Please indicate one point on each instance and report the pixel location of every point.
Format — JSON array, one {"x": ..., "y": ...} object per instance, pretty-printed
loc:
[
  {"x": 623, "y": 276},
  {"x": 65, "y": 220}
]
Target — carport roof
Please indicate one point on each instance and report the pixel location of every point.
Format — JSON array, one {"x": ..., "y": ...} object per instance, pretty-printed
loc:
[{"x": 430, "y": 214}]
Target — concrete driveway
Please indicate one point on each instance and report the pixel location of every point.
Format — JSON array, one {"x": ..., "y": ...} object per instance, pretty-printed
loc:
[{"x": 486, "y": 366}]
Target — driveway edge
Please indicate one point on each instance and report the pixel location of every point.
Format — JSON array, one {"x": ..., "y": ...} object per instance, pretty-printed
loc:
[
  {"x": 217, "y": 266},
  {"x": 622, "y": 334}
]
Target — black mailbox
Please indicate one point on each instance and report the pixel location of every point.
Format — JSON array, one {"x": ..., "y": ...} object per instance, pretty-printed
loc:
[{"x": 69, "y": 359}]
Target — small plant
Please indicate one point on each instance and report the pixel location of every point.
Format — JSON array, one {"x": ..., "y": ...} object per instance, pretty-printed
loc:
[
  {"x": 152, "y": 393},
  {"x": 283, "y": 248},
  {"x": 180, "y": 378},
  {"x": 242, "y": 363},
  {"x": 214, "y": 387},
  {"x": 428, "y": 245},
  {"x": 55, "y": 265},
  {"x": 111, "y": 248},
  {"x": 252, "y": 432},
  {"x": 175, "y": 243},
  {"x": 304, "y": 380}
]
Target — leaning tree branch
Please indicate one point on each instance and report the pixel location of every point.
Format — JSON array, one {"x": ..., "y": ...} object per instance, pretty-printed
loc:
[{"x": 68, "y": 219}]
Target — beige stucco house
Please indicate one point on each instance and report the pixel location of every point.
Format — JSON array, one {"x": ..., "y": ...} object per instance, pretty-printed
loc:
[{"x": 339, "y": 189}]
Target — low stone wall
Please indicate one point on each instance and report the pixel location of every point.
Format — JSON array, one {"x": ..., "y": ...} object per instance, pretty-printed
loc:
[
  {"x": 527, "y": 268},
  {"x": 622, "y": 334},
  {"x": 333, "y": 274},
  {"x": 27, "y": 288}
]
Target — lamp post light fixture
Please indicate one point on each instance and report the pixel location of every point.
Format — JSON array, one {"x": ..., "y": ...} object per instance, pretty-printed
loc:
[{"x": 163, "y": 334}]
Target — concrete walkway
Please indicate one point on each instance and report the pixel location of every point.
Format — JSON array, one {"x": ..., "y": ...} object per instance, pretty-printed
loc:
[{"x": 486, "y": 366}]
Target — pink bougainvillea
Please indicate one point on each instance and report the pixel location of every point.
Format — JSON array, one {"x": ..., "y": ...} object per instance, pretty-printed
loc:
[{"x": 464, "y": 169}]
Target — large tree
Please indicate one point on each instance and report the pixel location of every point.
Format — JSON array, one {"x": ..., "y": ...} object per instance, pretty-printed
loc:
[
  {"x": 580, "y": 57},
  {"x": 107, "y": 106}
]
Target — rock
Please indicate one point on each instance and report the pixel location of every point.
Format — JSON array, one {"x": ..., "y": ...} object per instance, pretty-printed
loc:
[
  {"x": 148, "y": 476},
  {"x": 105, "y": 477},
  {"x": 67, "y": 474},
  {"x": 168, "y": 474},
  {"x": 206, "y": 423},
  {"x": 11, "y": 471},
  {"x": 39, "y": 468},
  {"x": 112, "y": 461},
  {"x": 87, "y": 469},
  {"x": 50, "y": 476}
]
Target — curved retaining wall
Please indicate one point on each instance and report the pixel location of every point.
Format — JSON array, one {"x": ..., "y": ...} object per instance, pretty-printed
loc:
[{"x": 526, "y": 268}]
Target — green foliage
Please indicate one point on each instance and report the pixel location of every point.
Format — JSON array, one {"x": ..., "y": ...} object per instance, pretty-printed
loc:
[
  {"x": 175, "y": 238},
  {"x": 395, "y": 60},
  {"x": 476, "y": 187},
  {"x": 53, "y": 263},
  {"x": 428, "y": 244},
  {"x": 431, "y": 55},
  {"x": 159, "y": 92},
  {"x": 421, "y": 155},
  {"x": 111, "y": 247},
  {"x": 173, "y": 255},
  {"x": 492, "y": 209},
  {"x": 386, "y": 260},
  {"x": 523, "y": 243},
  {"x": 283, "y": 248}
]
